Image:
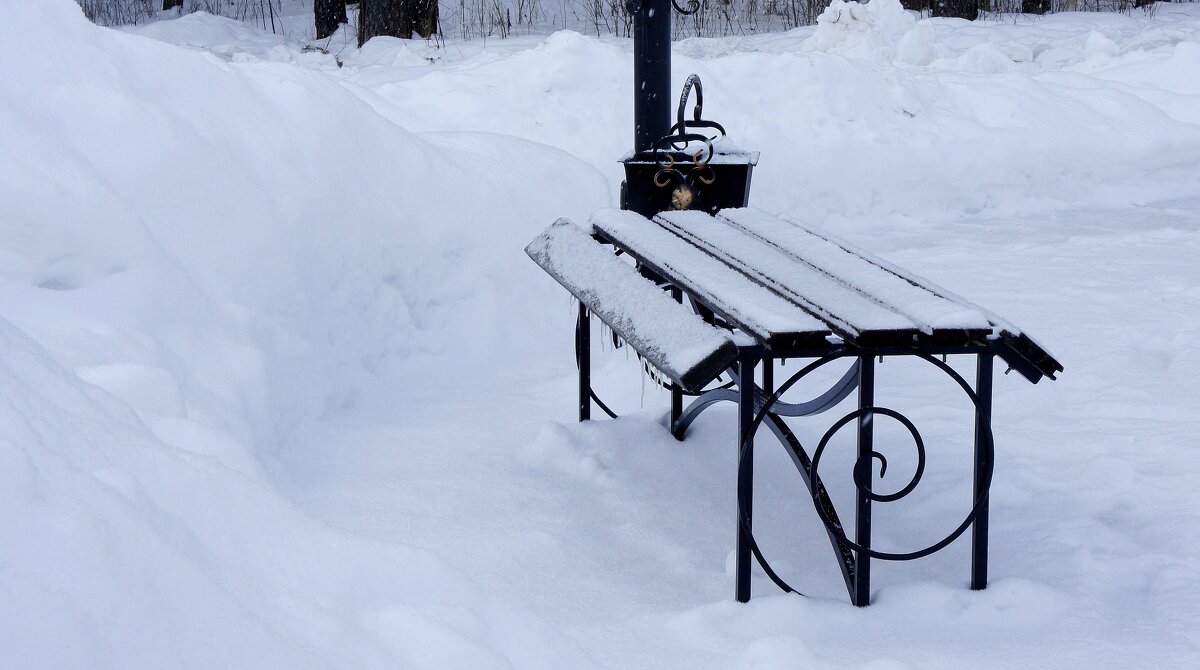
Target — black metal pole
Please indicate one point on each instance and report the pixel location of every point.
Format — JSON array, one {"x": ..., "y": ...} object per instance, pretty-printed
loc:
[
  {"x": 584, "y": 344},
  {"x": 745, "y": 476},
  {"x": 979, "y": 530},
  {"x": 651, "y": 73},
  {"x": 862, "y": 508}
]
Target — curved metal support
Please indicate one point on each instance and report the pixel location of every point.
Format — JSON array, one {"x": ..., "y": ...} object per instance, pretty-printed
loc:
[
  {"x": 846, "y": 559},
  {"x": 803, "y": 464},
  {"x": 862, "y": 470},
  {"x": 852, "y": 555},
  {"x": 701, "y": 403},
  {"x": 827, "y": 400}
]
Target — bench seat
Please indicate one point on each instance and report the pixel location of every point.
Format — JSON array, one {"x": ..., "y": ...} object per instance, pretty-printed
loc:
[
  {"x": 803, "y": 293},
  {"x": 670, "y": 336}
]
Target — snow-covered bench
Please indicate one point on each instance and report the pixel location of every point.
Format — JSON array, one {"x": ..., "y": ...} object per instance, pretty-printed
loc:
[
  {"x": 763, "y": 289},
  {"x": 669, "y": 336}
]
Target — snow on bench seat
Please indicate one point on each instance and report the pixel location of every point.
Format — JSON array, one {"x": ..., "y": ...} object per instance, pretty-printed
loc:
[
  {"x": 768, "y": 316},
  {"x": 848, "y": 311},
  {"x": 915, "y": 298},
  {"x": 668, "y": 335},
  {"x": 942, "y": 315}
]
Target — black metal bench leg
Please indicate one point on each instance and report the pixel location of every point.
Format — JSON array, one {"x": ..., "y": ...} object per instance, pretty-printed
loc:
[
  {"x": 861, "y": 596},
  {"x": 583, "y": 347},
  {"x": 745, "y": 476},
  {"x": 676, "y": 389},
  {"x": 983, "y": 416}
]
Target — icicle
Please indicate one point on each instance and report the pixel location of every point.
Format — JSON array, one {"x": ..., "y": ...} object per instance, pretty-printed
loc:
[{"x": 642, "y": 400}]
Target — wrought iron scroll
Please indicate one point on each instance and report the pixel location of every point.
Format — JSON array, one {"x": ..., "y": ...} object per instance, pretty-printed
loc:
[
  {"x": 844, "y": 547},
  {"x": 684, "y": 139},
  {"x": 863, "y": 470},
  {"x": 692, "y": 8},
  {"x": 633, "y": 6}
]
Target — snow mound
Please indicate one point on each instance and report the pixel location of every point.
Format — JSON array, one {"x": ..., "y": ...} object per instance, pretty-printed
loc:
[
  {"x": 869, "y": 31},
  {"x": 201, "y": 257},
  {"x": 386, "y": 51}
]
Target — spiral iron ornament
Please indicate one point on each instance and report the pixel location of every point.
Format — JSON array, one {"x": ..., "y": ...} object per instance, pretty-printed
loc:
[
  {"x": 862, "y": 471},
  {"x": 683, "y": 156}
]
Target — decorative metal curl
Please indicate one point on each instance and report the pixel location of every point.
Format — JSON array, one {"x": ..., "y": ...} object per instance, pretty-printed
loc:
[
  {"x": 683, "y": 139},
  {"x": 862, "y": 470},
  {"x": 980, "y": 500},
  {"x": 692, "y": 8},
  {"x": 633, "y": 6},
  {"x": 862, "y": 467}
]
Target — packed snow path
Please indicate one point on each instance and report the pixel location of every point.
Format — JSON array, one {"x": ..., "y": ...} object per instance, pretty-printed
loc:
[{"x": 279, "y": 388}]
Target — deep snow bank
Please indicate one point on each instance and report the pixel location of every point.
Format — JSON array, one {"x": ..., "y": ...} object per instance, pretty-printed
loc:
[
  {"x": 282, "y": 203},
  {"x": 196, "y": 256}
]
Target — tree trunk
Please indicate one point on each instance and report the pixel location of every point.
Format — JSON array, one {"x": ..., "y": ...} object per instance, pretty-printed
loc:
[
  {"x": 397, "y": 18},
  {"x": 172, "y": 4},
  {"x": 959, "y": 9},
  {"x": 329, "y": 14},
  {"x": 1035, "y": 6},
  {"x": 383, "y": 17},
  {"x": 425, "y": 17}
]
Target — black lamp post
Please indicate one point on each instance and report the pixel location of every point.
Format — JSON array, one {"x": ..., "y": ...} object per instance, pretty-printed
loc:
[
  {"x": 674, "y": 166},
  {"x": 651, "y": 72}
]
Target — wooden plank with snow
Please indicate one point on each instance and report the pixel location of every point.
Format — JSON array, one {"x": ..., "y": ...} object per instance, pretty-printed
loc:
[
  {"x": 768, "y": 316},
  {"x": 944, "y": 318},
  {"x": 672, "y": 338},
  {"x": 848, "y": 310},
  {"x": 798, "y": 291},
  {"x": 924, "y": 303}
]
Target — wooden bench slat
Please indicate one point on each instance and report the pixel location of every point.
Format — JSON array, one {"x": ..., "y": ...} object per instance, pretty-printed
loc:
[
  {"x": 904, "y": 293},
  {"x": 1019, "y": 350},
  {"x": 847, "y": 311},
  {"x": 747, "y": 304},
  {"x": 668, "y": 335}
]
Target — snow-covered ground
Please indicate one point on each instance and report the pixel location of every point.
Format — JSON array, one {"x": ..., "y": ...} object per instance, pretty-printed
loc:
[{"x": 279, "y": 388}]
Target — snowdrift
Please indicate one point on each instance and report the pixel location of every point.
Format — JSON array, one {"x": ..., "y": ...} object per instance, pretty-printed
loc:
[{"x": 196, "y": 256}]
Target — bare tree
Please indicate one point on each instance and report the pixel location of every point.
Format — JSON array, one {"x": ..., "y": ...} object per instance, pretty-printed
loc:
[
  {"x": 172, "y": 4},
  {"x": 397, "y": 18},
  {"x": 328, "y": 15},
  {"x": 425, "y": 17},
  {"x": 960, "y": 9}
]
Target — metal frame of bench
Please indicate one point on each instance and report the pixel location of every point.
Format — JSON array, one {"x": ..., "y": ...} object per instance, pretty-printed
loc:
[{"x": 831, "y": 339}]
